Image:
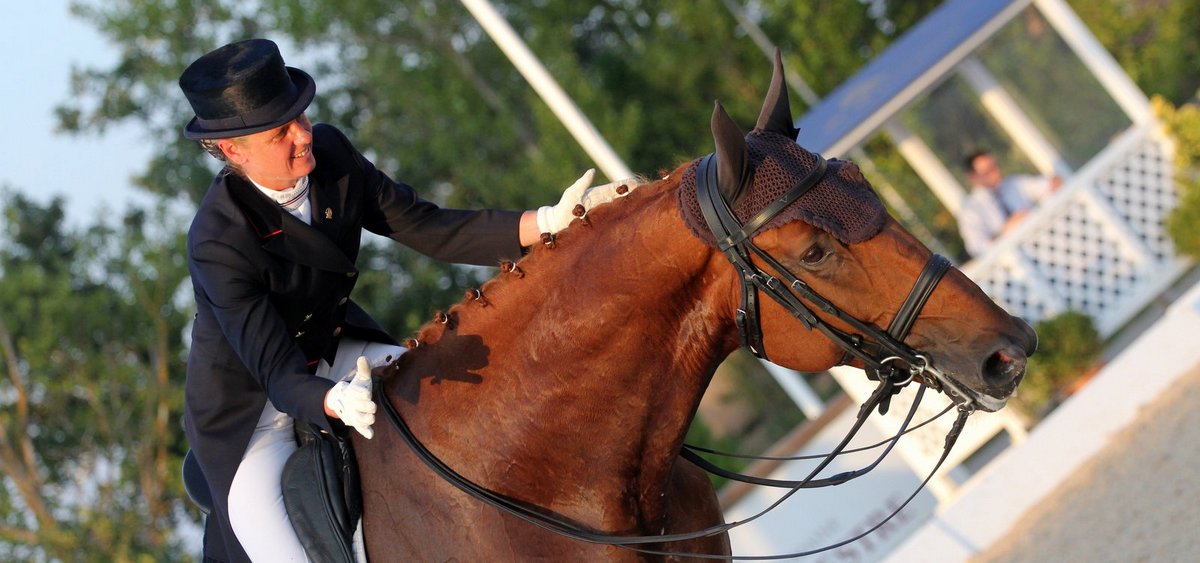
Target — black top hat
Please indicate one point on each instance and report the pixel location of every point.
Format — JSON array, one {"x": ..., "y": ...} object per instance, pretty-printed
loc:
[{"x": 243, "y": 88}]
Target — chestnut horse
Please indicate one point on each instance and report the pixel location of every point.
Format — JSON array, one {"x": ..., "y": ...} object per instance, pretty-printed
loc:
[{"x": 567, "y": 383}]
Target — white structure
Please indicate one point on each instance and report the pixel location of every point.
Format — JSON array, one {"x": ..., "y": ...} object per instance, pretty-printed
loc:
[
  {"x": 1025, "y": 80},
  {"x": 539, "y": 78}
]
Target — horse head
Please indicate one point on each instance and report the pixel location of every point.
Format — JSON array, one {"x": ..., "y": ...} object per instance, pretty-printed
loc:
[{"x": 812, "y": 235}]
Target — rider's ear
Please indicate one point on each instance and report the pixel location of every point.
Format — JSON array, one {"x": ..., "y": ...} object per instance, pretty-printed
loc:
[
  {"x": 776, "y": 114},
  {"x": 732, "y": 159}
]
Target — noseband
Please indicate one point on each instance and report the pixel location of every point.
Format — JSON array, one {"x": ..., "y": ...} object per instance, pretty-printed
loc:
[{"x": 883, "y": 353}]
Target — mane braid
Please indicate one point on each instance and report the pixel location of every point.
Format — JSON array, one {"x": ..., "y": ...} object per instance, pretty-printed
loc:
[{"x": 432, "y": 331}]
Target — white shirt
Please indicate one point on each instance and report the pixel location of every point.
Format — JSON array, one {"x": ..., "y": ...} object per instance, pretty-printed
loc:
[
  {"x": 984, "y": 212},
  {"x": 294, "y": 200}
]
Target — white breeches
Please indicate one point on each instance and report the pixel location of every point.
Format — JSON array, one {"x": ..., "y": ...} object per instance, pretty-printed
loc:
[{"x": 256, "y": 509}]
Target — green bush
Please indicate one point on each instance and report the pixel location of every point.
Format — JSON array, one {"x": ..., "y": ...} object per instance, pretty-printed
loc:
[
  {"x": 1068, "y": 345},
  {"x": 1183, "y": 125}
]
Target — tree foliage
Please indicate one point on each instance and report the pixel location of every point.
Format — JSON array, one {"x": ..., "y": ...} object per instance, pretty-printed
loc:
[
  {"x": 90, "y": 343},
  {"x": 1155, "y": 41},
  {"x": 1183, "y": 124},
  {"x": 423, "y": 91},
  {"x": 1069, "y": 345}
]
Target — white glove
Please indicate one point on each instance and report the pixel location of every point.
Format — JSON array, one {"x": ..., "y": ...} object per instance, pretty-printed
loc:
[
  {"x": 552, "y": 219},
  {"x": 351, "y": 400},
  {"x": 605, "y": 193}
]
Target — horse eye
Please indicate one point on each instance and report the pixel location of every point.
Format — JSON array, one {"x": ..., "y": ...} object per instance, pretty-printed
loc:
[{"x": 814, "y": 255}]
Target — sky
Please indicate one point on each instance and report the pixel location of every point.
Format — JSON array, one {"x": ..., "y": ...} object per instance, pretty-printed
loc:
[{"x": 40, "y": 42}]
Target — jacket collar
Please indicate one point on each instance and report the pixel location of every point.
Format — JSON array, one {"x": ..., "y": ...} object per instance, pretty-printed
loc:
[{"x": 282, "y": 234}]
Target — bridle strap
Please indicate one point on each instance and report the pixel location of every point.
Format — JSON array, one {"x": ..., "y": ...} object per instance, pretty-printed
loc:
[
  {"x": 811, "y": 483},
  {"x": 883, "y": 345},
  {"x": 883, "y": 353},
  {"x": 935, "y": 268},
  {"x": 721, "y": 220},
  {"x": 910, "y": 309},
  {"x": 746, "y": 319},
  {"x": 906, "y": 316},
  {"x": 772, "y": 209}
]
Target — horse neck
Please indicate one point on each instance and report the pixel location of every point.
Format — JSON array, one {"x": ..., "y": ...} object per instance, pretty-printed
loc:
[{"x": 603, "y": 343}]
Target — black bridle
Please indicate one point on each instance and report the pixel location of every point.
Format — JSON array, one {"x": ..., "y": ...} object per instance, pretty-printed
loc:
[{"x": 884, "y": 354}]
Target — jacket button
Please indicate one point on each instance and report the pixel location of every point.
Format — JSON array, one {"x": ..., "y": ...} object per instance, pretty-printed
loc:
[
  {"x": 351, "y": 274},
  {"x": 337, "y": 331},
  {"x": 299, "y": 334},
  {"x": 343, "y": 300},
  {"x": 307, "y": 317}
]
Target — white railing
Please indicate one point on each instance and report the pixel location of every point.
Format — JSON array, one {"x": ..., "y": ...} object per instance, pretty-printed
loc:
[{"x": 1098, "y": 245}]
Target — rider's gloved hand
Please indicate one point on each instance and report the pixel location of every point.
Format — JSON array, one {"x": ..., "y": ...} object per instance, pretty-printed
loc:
[
  {"x": 350, "y": 400},
  {"x": 554, "y": 218}
]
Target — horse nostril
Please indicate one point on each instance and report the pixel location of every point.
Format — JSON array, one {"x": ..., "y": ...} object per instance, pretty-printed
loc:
[{"x": 1004, "y": 365}]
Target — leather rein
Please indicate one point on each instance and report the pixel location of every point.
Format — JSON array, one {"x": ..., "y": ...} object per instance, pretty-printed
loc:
[{"x": 884, "y": 354}]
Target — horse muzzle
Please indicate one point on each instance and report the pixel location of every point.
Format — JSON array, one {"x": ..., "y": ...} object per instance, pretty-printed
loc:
[{"x": 997, "y": 375}]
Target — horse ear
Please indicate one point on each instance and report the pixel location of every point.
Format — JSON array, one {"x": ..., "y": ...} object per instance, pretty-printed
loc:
[
  {"x": 732, "y": 159},
  {"x": 776, "y": 114}
]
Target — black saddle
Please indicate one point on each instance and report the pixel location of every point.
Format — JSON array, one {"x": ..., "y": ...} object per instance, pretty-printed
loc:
[
  {"x": 320, "y": 491},
  {"x": 322, "y": 495}
]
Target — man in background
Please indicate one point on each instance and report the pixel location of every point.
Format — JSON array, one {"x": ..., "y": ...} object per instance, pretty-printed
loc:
[{"x": 997, "y": 203}]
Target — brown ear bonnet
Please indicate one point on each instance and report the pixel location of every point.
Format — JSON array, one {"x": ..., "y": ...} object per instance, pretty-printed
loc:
[{"x": 842, "y": 203}]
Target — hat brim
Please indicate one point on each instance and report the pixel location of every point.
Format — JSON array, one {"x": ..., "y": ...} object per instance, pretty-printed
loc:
[{"x": 304, "y": 84}]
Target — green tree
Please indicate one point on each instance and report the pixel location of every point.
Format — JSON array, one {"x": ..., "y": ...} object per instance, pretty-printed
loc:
[
  {"x": 1183, "y": 124},
  {"x": 1156, "y": 42},
  {"x": 90, "y": 341},
  {"x": 424, "y": 92},
  {"x": 1069, "y": 346}
]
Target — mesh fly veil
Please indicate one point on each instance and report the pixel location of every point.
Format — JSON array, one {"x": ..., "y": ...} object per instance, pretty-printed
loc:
[{"x": 842, "y": 203}]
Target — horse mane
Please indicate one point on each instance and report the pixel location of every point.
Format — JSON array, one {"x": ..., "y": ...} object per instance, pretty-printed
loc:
[{"x": 597, "y": 222}]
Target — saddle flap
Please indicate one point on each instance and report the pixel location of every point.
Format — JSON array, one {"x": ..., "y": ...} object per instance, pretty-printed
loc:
[{"x": 322, "y": 496}]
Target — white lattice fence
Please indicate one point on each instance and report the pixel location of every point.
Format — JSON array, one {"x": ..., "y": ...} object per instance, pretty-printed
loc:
[{"x": 1099, "y": 245}]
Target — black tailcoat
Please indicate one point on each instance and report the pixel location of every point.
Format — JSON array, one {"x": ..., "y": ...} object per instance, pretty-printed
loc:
[{"x": 273, "y": 297}]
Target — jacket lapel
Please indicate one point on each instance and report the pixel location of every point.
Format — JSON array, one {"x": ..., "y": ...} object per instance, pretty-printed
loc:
[
  {"x": 286, "y": 236},
  {"x": 328, "y": 199}
]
